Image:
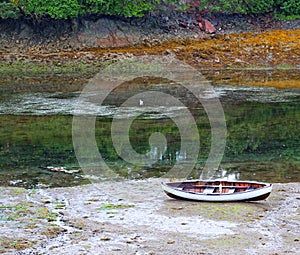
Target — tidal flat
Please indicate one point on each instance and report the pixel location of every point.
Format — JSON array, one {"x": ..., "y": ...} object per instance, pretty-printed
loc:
[{"x": 136, "y": 217}]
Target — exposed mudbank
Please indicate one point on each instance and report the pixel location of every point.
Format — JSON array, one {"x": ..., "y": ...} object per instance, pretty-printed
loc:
[
  {"x": 265, "y": 59},
  {"x": 135, "y": 217}
]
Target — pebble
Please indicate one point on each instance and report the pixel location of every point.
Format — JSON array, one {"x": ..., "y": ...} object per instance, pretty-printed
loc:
[{"x": 170, "y": 242}]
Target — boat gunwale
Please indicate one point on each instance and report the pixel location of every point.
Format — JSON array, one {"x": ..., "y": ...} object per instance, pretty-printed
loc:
[{"x": 265, "y": 186}]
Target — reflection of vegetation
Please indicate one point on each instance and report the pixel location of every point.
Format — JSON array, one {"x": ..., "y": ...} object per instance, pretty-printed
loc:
[
  {"x": 35, "y": 140},
  {"x": 58, "y": 67},
  {"x": 259, "y": 129},
  {"x": 40, "y": 76},
  {"x": 277, "y": 170},
  {"x": 256, "y": 131}
]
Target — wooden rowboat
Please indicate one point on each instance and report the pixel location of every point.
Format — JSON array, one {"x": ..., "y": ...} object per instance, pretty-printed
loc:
[{"x": 218, "y": 190}]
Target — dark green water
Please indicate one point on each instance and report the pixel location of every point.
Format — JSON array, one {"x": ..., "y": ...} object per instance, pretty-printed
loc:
[{"x": 263, "y": 137}]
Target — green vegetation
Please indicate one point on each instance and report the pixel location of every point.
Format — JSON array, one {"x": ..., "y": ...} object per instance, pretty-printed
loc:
[
  {"x": 239, "y": 6},
  {"x": 287, "y": 9},
  {"x": 65, "y": 9},
  {"x": 45, "y": 213},
  {"x": 56, "y": 68},
  {"x": 14, "y": 212},
  {"x": 8, "y": 10},
  {"x": 13, "y": 243},
  {"x": 114, "y": 207},
  {"x": 21, "y": 211}
]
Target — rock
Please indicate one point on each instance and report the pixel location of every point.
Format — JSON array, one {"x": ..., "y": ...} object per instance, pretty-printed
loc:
[
  {"x": 207, "y": 26},
  {"x": 108, "y": 33},
  {"x": 26, "y": 31},
  {"x": 171, "y": 242}
]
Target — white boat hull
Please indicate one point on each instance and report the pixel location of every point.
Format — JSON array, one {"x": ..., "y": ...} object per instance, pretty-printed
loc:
[{"x": 247, "y": 195}]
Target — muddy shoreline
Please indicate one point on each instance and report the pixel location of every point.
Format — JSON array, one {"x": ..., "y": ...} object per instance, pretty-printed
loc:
[
  {"x": 56, "y": 59},
  {"x": 270, "y": 58},
  {"x": 135, "y": 217}
]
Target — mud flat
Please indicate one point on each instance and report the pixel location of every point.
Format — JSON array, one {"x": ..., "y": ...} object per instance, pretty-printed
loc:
[{"x": 136, "y": 217}]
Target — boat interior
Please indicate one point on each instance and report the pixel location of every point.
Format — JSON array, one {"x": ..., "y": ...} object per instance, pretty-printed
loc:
[{"x": 216, "y": 187}]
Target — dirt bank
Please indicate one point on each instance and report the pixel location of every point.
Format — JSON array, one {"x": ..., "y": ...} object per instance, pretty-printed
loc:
[
  {"x": 239, "y": 40},
  {"x": 135, "y": 217}
]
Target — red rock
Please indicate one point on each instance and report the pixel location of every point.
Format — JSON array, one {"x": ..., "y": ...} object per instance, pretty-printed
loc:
[{"x": 207, "y": 26}]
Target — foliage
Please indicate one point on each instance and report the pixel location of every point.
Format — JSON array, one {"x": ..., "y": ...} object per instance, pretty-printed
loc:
[
  {"x": 57, "y": 9},
  {"x": 64, "y": 9},
  {"x": 126, "y": 8},
  {"x": 281, "y": 7},
  {"x": 259, "y": 6},
  {"x": 8, "y": 10},
  {"x": 238, "y": 6},
  {"x": 114, "y": 206},
  {"x": 289, "y": 7}
]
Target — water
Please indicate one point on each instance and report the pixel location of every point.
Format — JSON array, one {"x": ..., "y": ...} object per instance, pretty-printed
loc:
[{"x": 263, "y": 138}]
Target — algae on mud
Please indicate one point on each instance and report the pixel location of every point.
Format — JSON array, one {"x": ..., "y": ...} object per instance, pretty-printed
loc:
[
  {"x": 155, "y": 221},
  {"x": 270, "y": 49}
]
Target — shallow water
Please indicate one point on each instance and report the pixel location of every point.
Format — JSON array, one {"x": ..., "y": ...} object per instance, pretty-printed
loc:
[{"x": 263, "y": 139}]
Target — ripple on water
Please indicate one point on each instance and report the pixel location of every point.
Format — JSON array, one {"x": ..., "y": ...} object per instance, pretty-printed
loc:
[{"x": 68, "y": 103}]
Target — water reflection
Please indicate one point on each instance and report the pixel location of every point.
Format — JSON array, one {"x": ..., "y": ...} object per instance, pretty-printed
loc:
[
  {"x": 64, "y": 103},
  {"x": 263, "y": 140}
]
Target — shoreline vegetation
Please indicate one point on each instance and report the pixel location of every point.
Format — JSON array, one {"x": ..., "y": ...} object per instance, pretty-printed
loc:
[{"x": 37, "y": 10}]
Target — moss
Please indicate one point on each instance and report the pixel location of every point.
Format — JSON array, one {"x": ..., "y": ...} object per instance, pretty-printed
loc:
[
  {"x": 37, "y": 68},
  {"x": 14, "y": 243},
  {"x": 242, "y": 212},
  {"x": 112, "y": 207},
  {"x": 20, "y": 191},
  {"x": 59, "y": 205},
  {"x": 45, "y": 213},
  {"x": 228, "y": 242},
  {"x": 52, "y": 231},
  {"x": 14, "y": 212}
]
